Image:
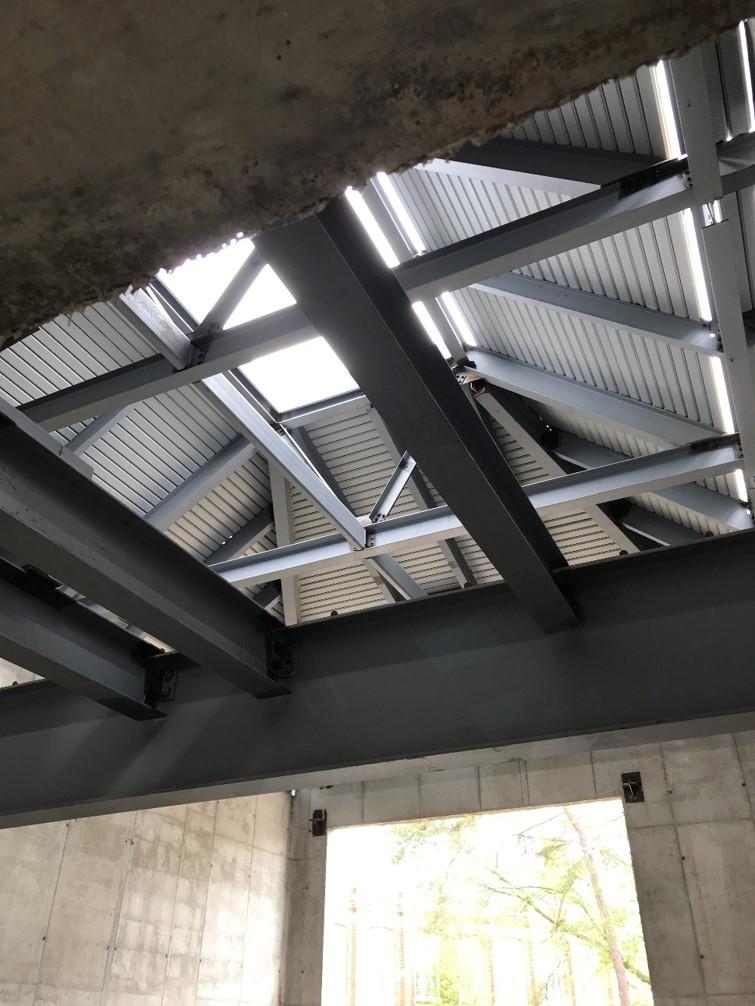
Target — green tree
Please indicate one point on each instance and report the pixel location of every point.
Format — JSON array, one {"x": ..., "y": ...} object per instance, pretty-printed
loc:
[{"x": 562, "y": 878}]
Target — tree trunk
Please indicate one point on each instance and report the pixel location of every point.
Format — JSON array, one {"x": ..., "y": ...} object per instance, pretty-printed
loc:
[{"x": 609, "y": 931}]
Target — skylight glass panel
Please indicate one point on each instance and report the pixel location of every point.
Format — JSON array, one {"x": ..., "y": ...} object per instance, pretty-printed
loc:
[
  {"x": 266, "y": 294},
  {"x": 300, "y": 375},
  {"x": 199, "y": 282}
]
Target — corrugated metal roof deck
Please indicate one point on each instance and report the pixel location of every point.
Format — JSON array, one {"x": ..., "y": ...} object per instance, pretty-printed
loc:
[{"x": 164, "y": 440}]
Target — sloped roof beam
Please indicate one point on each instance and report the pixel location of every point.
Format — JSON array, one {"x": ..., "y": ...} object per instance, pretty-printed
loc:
[
  {"x": 508, "y": 412},
  {"x": 638, "y": 199},
  {"x": 332, "y": 270},
  {"x": 98, "y": 427},
  {"x": 137, "y": 381},
  {"x": 246, "y": 536},
  {"x": 201, "y": 482},
  {"x": 720, "y": 250},
  {"x": 641, "y": 420},
  {"x": 591, "y": 307},
  {"x": 553, "y": 167}
]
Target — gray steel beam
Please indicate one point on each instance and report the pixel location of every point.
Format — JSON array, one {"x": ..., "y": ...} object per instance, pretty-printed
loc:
[
  {"x": 233, "y": 294},
  {"x": 61, "y": 522},
  {"x": 604, "y": 311},
  {"x": 644, "y": 421},
  {"x": 280, "y": 452},
  {"x": 231, "y": 399},
  {"x": 510, "y": 413},
  {"x": 570, "y": 171},
  {"x": 714, "y": 506},
  {"x": 720, "y": 251},
  {"x": 423, "y": 497},
  {"x": 392, "y": 581},
  {"x": 96, "y": 429},
  {"x": 393, "y": 488},
  {"x": 550, "y": 497},
  {"x": 58, "y": 639},
  {"x": 651, "y": 526},
  {"x": 279, "y": 493},
  {"x": 156, "y": 375},
  {"x": 463, "y": 672},
  {"x": 336, "y": 276},
  {"x": 233, "y": 347},
  {"x": 268, "y": 595},
  {"x": 245, "y": 537},
  {"x": 206, "y": 478},
  {"x": 638, "y": 199}
]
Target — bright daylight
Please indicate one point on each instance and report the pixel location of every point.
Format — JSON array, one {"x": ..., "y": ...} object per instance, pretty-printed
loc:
[{"x": 517, "y": 908}]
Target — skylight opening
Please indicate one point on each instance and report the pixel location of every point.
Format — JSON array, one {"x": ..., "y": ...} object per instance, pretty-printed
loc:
[
  {"x": 266, "y": 295},
  {"x": 728, "y": 425},
  {"x": 457, "y": 317},
  {"x": 402, "y": 214},
  {"x": 696, "y": 266},
  {"x": 672, "y": 141},
  {"x": 430, "y": 327},
  {"x": 199, "y": 282},
  {"x": 744, "y": 52},
  {"x": 299, "y": 375},
  {"x": 370, "y": 224},
  {"x": 722, "y": 396}
]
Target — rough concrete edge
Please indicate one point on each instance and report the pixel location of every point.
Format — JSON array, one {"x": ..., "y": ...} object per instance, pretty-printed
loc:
[{"x": 477, "y": 138}]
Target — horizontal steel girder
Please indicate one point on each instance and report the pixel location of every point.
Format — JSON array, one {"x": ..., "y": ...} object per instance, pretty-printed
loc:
[
  {"x": 55, "y": 518},
  {"x": 460, "y": 672},
  {"x": 50, "y": 635},
  {"x": 552, "y": 497}
]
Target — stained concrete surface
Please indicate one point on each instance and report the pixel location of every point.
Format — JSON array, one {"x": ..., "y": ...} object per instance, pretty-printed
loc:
[
  {"x": 183, "y": 906},
  {"x": 136, "y": 134},
  {"x": 692, "y": 844}
]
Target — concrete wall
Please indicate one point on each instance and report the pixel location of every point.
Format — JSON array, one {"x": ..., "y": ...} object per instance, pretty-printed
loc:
[
  {"x": 183, "y": 906},
  {"x": 692, "y": 841}
]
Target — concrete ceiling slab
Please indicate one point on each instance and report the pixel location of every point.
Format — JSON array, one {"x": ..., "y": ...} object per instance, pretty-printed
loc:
[{"x": 136, "y": 134}]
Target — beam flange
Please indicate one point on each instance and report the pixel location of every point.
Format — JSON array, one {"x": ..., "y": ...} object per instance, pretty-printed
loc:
[
  {"x": 463, "y": 672},
  {"x": 330, "y": 267},
  {"x": 61, "y": 522},
  {"x": 62, "y": 641}
]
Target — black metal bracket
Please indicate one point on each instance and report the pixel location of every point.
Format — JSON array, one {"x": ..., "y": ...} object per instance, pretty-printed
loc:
[
  {"x": 281, "y": 656},
  {"x": 631, "y": 783},
  {"x": 161, "y": 677},
  {"x": 319, "y": 823}
]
